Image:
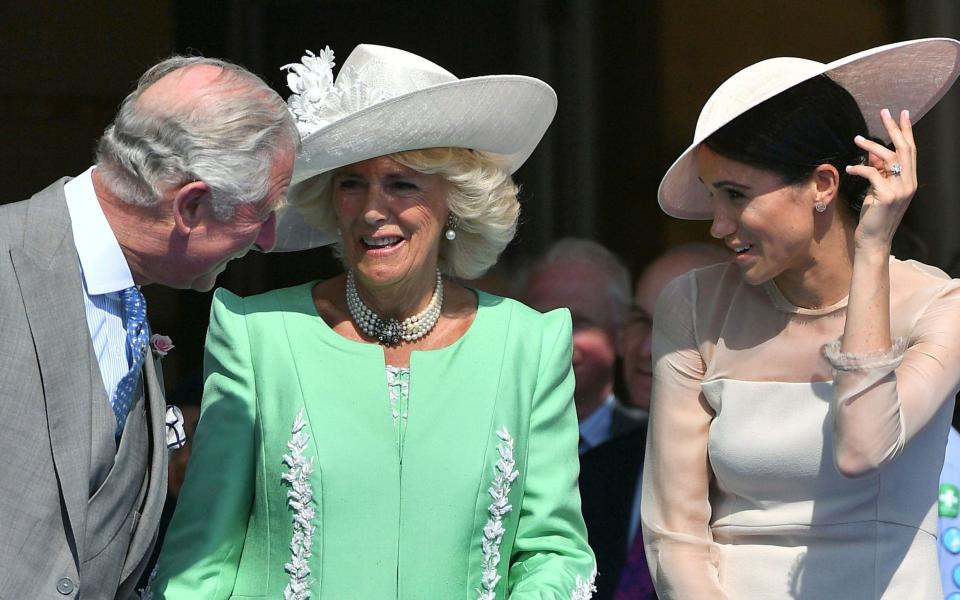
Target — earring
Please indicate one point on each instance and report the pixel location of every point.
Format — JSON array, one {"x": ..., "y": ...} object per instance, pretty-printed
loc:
[
  {"x": 820, "y": 207},
  {"x": 452, "y": 222}
]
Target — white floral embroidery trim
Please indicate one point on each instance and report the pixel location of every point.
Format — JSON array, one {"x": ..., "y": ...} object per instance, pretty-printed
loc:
[
  {"x": 300, "y": 501},
  {"x": 504, "y": 476},
  {"x": 317, "y": 101},
  {"x": 584, "y": 590}
]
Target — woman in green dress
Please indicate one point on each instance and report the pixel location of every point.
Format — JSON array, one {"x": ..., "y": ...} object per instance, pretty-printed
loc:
[{"x": 389, "y": 433}]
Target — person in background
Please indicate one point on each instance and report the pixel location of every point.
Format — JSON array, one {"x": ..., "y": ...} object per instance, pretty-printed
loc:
[
  {"x": 187, "y": 177},
  {"x": 586, "y": 278},
  {"x": 638, "y": 329},
  {"x": 610, "y": 474}
]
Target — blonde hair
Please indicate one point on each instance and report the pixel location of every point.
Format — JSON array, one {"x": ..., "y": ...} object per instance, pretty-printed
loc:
[{"x": 482, "y": 196}]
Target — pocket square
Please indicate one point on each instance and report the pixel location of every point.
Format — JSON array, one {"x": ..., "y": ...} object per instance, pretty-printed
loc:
[{"x": 176, "y": 436}]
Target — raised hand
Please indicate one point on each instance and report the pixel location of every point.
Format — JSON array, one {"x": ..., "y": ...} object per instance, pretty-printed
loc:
[{"x": 893, "y": 181}]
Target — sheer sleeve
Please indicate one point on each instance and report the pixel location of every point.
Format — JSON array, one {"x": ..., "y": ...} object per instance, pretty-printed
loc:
[
  {"x": 884, "y": 399},
  {"x": 675, "y": 511}
]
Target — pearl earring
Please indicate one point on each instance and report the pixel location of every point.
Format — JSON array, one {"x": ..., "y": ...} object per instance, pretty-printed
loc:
[
  {"x": 820, "y": 207},
  {"x": 452, "y": 222}
]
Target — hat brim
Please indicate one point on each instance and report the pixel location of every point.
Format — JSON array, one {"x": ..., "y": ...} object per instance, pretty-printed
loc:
[
  {"x": 912, "y": 75},
  {"x": 502, "y": 114}
]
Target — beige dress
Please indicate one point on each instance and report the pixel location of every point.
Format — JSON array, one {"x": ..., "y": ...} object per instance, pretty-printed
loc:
[{"x": 741, "y": 495}]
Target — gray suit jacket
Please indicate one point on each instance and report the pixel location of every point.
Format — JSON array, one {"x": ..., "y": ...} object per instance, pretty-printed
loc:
[{"x": 56, "y": 541}]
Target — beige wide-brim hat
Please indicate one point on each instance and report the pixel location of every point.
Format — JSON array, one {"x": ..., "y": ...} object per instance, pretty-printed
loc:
[
  {"x": 910, "y": 75},
  {"x": 386, "y": 100}
]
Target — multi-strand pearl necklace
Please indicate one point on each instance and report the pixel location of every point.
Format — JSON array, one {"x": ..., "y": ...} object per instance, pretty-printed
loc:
[{"x": 391, "y": 332}]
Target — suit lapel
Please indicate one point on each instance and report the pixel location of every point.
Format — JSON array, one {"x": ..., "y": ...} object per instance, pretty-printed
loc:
[
  {"x": 47, "y": 271},
  {"x": 143, "y": 536}
]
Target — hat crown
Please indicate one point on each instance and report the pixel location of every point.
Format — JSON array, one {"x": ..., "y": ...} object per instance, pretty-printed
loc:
[
  {"x": 392, "y": 71},
  {"x": 749, "y": 87}
]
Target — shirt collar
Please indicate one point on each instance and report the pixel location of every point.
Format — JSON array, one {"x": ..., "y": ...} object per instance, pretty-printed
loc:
[
  {"x": 596, "y": 427},
  {"x": 102, "y": 264}
]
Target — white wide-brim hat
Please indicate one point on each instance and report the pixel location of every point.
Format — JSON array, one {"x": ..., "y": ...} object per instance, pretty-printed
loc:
[
  {"x": 910, "y": 75},
  {"x": 386, "y": 100}
]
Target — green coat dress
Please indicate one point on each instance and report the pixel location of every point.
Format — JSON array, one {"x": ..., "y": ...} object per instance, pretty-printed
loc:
[{"x": 297, "y": 484}]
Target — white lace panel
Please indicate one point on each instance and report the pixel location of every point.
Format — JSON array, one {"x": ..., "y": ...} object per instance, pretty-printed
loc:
[{"x": 300, "y": 502}]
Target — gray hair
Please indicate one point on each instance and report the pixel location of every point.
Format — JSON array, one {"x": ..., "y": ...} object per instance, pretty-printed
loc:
[
  {"x": 226, "y": 139},
  {"x": 482, "y": 196},
  {"x": 589, "y": 252}
]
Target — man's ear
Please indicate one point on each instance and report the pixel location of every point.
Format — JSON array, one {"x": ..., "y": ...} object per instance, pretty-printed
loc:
[{"x": 190, "y": 205}]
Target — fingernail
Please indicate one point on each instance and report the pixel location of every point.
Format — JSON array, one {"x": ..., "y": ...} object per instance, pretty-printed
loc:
[
  {"x": 885, "y": 112},
  {"x": 847, "y": 168},
  {"x": 906, "y": 113},
  {"x": 859, "y": 138}
]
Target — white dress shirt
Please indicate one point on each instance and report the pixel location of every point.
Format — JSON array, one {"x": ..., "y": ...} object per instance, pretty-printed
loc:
[
  {"x": 595, "y": 429},
  {"x": 104, "y": 272}
]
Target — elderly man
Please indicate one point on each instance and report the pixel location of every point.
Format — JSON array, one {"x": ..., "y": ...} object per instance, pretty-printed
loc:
[
  {"x": 594, "y": 285},
  {"x": 638, "y": 331},
  {"x": 590, "y": 281},
  {"x": 186, "y": 178}
]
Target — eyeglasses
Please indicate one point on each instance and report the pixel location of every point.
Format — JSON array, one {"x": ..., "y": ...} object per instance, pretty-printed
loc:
[{"x": 638, "y": 321}]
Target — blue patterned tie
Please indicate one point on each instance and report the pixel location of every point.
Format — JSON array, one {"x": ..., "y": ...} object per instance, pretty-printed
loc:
[{"x": 135, "y": 320}]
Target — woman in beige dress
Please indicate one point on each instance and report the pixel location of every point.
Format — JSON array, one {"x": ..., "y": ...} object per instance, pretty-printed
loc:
[{"x": 803, "y": 391}]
